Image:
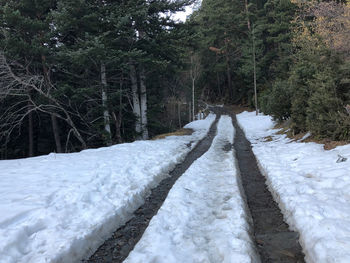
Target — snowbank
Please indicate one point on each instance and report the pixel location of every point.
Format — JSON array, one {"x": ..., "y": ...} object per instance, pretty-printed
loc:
[
  {"x": 312, "y": 189},
  {"x": 203, "y": 218},
  {"x": 61, "y": 207}
]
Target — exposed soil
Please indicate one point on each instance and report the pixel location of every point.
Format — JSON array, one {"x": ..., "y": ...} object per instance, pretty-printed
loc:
[
  {"x": 123, "y": 240},
  {"x": 274, "y": 241}
]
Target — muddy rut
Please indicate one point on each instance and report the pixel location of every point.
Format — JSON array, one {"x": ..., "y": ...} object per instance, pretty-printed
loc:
[{"x": 274, "y": 241}]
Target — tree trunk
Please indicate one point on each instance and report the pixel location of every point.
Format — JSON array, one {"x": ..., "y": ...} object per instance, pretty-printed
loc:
[
  {"x": 254, "y": 59},
  {"x": 143, "y": 90},
  {"x": 135, "y": 100},
  {"x": 105, "y": 104},
  {"x": 55, "y": 128},
  {"x": 119, "y": 116},
  {"x": 179, "y": 113},
  {"x": 228, "y": 72},
  {"x": 56, "y": 133},
  {"x": 192, "y": 98},
  {"x": 30, "y": 134},
  {"x": 118, "y": 122},
  {"x": 254, "y": 68}
]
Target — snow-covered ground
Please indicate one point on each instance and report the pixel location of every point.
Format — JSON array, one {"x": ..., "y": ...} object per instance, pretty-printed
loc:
[
  {"x": 61, "y": 207},
  {"x": 312, "y": 189},
  {"x": 203, "y": 218}
]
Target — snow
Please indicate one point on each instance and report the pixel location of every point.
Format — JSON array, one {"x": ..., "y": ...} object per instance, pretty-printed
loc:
[
  {"x": 61, "y": 207},
  {"x": 311, "y": 188},
  {"x": 203, "y": 218}
]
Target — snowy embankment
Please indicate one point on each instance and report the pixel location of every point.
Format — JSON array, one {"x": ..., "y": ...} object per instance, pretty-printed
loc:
[
  {"x": 203, "y": 218},
  {"x": 61, "y": 207},
  {"x": 311, "y": 188}
]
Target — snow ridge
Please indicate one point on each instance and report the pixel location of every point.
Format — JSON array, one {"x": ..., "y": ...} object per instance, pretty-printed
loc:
[
  {"x": 61, "y": 207},
  {"x": 203, "y": 218}
]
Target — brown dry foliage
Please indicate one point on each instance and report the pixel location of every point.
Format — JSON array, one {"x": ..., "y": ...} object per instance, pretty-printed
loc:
[
  {"x": 180, "y": 132},
  {"x": 331, "y": 22}
]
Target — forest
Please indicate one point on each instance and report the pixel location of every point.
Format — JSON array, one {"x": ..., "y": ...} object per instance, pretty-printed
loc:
[{"x": 77, "y": 74}]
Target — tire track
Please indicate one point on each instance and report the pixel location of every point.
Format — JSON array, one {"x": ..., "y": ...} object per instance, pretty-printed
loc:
[{"x": 123, "y": 240}]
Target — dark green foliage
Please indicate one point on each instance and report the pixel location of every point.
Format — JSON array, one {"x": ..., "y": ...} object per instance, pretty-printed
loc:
[
  {"x": 65, "y": 42},
  {"x": 277, "y": 100}
]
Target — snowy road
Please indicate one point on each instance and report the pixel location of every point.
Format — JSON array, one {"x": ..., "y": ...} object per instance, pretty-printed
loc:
[
  {"x": 60, "y": 208},
  {"x": 204, "y": 217}
]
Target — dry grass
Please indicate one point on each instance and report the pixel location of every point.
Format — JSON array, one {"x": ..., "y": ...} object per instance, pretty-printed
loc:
[
  {"x": 268, "y": 139},
  {"x": 180, "y": 132},
  {"x": 328, "y": 144},
  {"x": 238, "y": 108}
]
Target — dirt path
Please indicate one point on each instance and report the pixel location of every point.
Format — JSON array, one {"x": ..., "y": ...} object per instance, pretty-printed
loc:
[
  {"x": 123, "y": 240},
  {"x": 274, "y": 241}
]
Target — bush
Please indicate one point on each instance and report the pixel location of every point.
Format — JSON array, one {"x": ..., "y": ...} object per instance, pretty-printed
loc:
[
  {"x": 325, "y": 113},
  {"x": 277, "y": 101}
]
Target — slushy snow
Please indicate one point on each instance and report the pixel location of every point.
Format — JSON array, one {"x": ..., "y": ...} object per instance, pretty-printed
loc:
[
  {"x": 311, "y": 188},
  {"x": 61, "y": 207},
  {"x": 203, "y": 218}
]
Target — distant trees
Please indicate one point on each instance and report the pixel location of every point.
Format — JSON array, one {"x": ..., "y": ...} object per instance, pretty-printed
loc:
[
  {"x": 80, "y": 73},
  {"x": 295, "y": 54}
]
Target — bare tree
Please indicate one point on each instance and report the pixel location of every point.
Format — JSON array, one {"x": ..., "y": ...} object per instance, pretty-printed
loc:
[{"x": 17, "y": 81}]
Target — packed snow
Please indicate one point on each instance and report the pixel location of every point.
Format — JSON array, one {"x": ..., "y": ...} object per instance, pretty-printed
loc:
[
  {"x": 203, "y": 218},
  {"x": 310, "y": 186},
  {"x": 61, "y": 207}
]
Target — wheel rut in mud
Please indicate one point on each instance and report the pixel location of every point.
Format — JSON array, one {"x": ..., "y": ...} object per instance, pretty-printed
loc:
[
  {"x": 274, "y": 241},
  {"x": 123, "y": 240}
]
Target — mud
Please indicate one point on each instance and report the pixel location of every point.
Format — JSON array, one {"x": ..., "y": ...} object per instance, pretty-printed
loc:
[{"x": 274, "y": 241}]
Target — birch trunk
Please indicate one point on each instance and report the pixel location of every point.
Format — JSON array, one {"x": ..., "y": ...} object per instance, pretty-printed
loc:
[
  {"x": 143, "y": 90},
  {"x": 135, "y": 99},
  {"x": 105, "y": 104}
]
